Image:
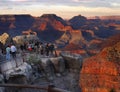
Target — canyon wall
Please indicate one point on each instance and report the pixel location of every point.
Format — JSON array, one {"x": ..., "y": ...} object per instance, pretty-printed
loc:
[{"x": 101, "y": 73}]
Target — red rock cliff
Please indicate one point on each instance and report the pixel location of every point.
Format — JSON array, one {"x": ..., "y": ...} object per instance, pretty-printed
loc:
[{"x": 101, "y": 73}]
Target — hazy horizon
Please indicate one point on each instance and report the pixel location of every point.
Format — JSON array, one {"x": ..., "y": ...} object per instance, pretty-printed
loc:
[{"x": 63, "y": 8}]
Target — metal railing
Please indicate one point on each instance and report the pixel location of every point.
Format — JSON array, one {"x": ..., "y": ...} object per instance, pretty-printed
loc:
[{"x": 50, "y": 88}]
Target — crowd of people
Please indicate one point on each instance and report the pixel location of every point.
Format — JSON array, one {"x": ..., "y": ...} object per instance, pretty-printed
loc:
[
  {"x": 39, "y": 47},
  {"x": 43, "y": 49}
]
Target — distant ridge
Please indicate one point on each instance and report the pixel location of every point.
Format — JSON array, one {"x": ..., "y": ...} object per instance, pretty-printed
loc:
[{"x": 114, "y": 17}]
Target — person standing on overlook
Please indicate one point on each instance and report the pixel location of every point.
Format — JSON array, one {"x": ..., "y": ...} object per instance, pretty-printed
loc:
[
  {"x": 47, "y": 49},
  {"x": 8, "y": 52},
  {"x": 51, "y": 48},
  {"x": 13, "y": 51}
]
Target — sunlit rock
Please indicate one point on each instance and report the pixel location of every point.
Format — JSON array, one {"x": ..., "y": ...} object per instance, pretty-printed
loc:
[
  {"x": 101, "y": 73},
  {"x": 3, "y": 38}
]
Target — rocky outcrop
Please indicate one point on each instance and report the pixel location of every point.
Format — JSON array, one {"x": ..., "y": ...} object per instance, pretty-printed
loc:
[
  {"x": 48, "y": 66},
  {"x": 56, "y": 70},
  {"x": 100, "y": 73},
  {"x": 72, "y": 61},
  {"x": 3, "y": 38},
  {"x": 1, "y": 81},
  {"x": 15, "y": 68},
  {"x": 23, "y": 38},
  {"x": 43, "y": 70},
  {"x": 59, "y": 64},
  {"x": 71, "y": 37},
  {"x": 15, "y": 72},
  {"x": 51, "y": 67}
]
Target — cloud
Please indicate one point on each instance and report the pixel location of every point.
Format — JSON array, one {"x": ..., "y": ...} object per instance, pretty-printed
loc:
[
  {"x": 115, "y": 4},
  {"x": 18, "y": 0},
  {"x": 87, "y": 3},
  {"x": 76, "y": 0},
  {"x": 64, "y": 8},
  {"x": 82, "y": 0}
]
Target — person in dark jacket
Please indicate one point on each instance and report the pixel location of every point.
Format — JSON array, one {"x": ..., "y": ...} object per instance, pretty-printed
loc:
[{"x": 47, "y": 49}]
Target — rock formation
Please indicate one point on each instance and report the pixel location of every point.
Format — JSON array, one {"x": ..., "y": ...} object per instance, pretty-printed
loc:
[
  {"x": 25, "y": 38},
  {"x": 9, "y": 68},
  {"x": 38, "y": 69},
  {"x": 72, "y": 61},
  {"x": 2, "y": 81},
  {"x": 3, "y": 38},
  {"x": 101, "y": 73},
  {"x": 78, "y": 21},
  {"x": 59, "y": 64}
]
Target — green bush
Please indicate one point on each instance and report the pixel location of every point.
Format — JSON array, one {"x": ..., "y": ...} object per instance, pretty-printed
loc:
[{"x": 34, "y": 60}]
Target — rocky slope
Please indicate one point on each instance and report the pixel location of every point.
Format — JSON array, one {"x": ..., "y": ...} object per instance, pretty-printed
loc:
[
  {"x": 101, "y": 73},
  {"x": 110, "y": 41}
]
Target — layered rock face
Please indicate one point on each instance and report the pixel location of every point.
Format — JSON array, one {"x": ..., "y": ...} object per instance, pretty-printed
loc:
[
  {"x": 3, "y": 38},
  {"x": 101, "y": 73}
]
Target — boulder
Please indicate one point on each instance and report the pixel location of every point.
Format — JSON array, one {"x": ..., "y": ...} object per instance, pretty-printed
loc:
[
  {"x": 59, "y": 64},
  {"x": 47, "y": 68},
  {"x": 50, "y": 66},
  {"x": 18, "y": 75},
  {"x": 72, "y": 61},
  {"x": 9, "y": 68}
]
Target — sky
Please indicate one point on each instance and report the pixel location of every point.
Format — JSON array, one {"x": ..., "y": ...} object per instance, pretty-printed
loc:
[{"x": 63, "y": 8}]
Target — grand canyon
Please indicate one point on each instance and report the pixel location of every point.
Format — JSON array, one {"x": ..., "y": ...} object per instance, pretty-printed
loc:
[{"x": 95, "y": 39}]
